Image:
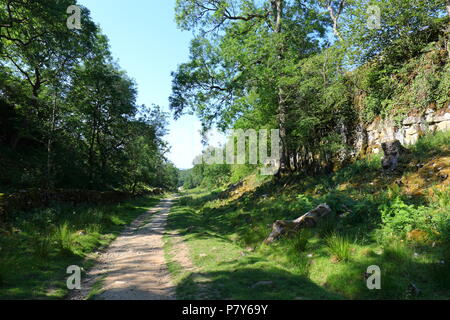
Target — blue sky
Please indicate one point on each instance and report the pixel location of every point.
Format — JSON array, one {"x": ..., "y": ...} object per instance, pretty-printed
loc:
[{"x": 146, "y": 42}]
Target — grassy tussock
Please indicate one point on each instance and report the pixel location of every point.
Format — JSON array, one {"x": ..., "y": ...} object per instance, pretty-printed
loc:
[{"x": 339, "y": 247}]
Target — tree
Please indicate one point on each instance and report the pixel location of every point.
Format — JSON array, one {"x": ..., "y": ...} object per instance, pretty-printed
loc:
[
  {"x": 42, "y": 51},
  {"x": 68, "y": 113},
  {"x": 243, "y": 48},
  {"x": 407, "y": 25}
]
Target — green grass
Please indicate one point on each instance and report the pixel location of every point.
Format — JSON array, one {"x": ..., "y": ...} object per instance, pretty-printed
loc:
[
  {"x": 43, "y": 243},
  {"x": 339, "y": 247},
  {"x": 226, "y": 237},
  {"x": 229, "y": 271},
  {"x": 96, "y": 289}
]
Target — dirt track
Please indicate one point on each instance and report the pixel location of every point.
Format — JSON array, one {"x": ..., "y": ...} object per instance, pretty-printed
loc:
[{"x": 133, "y": 267}]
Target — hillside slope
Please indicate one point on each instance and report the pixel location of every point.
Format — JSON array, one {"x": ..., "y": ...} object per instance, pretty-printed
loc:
[{"x": 399, "y": 222}]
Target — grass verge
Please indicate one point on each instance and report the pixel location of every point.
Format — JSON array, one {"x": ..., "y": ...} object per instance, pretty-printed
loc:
[{"x": 34, "y": 256}]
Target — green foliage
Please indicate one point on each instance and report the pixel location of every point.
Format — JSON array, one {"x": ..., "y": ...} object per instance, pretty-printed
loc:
[
  {"x": 432, "y": 145},
  {"x": 402, "y": 31},
  {"x": 300, "y": 241},
  {"x": 41, "y": 245},
  {"x": 206, "y": 175},
  {"x": 312, "y": 91},
  {"x": 68, "y": 112},
  {"x": 399, "y": 218},
  {"x": 240, "y": 171},
  {"x": 395, "y": 88},
  {"x": 7, "y": 263}
]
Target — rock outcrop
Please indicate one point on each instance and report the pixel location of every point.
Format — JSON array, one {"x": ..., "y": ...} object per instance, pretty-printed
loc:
[{"x": 370, "y": 139}]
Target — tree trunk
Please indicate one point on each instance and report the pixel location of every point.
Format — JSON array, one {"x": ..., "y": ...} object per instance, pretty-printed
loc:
[
  {"x": 277, "y": 10},
  {"x": 50, "y": 146},
  {"x": 282, "y": 118},
  {"x": 290, "y": 227},
  {"x": 335, "y": 17},
  {"x": 91, "y": 149}
]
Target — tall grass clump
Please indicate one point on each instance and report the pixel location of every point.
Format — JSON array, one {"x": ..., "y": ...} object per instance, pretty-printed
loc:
[
  {"x": 302, "y": 265},
  {"x": 65, "y": 239},
  {"x": 397, "y": 252},
  {"x": 339, "y": 246},
  {"x": 442, "y": 199},
  {"x": 300, "y": 241},
  {"x": 41, "y": 245},
  {"x": 358, "y": 168}
]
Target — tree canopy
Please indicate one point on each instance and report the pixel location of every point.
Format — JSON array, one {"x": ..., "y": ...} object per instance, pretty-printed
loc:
[
  {"x": 68, "y": 112},
  {"x": 287, "y": 64}
]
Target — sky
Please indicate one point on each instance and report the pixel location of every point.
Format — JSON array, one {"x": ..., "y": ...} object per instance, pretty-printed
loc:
[{"x": 146, "y": 42}]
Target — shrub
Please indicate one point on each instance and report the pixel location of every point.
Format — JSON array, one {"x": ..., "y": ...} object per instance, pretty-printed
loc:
[
  {"x": 400, "y": 219},
  {"x": 303, "y": 203}
]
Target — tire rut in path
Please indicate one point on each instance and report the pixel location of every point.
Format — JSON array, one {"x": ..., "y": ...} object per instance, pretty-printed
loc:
[{"x": 134, "y": 267}]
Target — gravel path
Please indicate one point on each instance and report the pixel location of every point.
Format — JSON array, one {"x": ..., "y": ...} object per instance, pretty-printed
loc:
[{"x": 133, "y": 267}]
